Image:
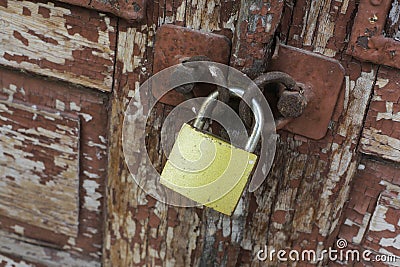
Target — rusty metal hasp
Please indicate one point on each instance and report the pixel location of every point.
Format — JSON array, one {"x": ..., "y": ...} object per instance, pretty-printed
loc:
[
  {"x": 321, "y": 78},
  {"x": 174, "y": 44}
]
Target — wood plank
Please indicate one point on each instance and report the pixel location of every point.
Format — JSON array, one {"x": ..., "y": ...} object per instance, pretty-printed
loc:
[
  {"x": 381, "y": 134},
  {"x": 371, "y": 217},
  {"x": 45, "y": 256},
  {"x": 140, "y": 230},
  {"x": 68, "y": 43},
  {"x": 39, "y": 166}
]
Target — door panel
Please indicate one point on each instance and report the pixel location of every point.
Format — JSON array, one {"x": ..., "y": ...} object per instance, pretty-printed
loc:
[
  {"x": 301, "y": 202},
  {"x": 40, "y": 157},
  {"x": 53, "y": 170}
]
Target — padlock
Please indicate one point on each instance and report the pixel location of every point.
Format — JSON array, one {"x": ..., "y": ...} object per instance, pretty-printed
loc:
[{"x": 207, "y": 169}]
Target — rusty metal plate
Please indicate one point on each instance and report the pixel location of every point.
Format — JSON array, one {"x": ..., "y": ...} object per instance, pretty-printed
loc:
[
  {"x": 322, "y": 77},
  {"x": 174, "y": 43},
  {"x": 130, "y": 10},
  {"x": 367, "y": 40}
]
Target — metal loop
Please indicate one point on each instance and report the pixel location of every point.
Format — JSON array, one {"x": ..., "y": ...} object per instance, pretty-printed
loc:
[
  {"x": 209, "y": 104},
  {"x": 277, "y": 77},
  {"x": 290, "y": 84}
]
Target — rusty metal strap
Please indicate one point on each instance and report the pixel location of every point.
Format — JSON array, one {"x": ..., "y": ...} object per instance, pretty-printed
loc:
[
  {"x": 130, "y": 10},
  {"x": 223, "y": 94}
]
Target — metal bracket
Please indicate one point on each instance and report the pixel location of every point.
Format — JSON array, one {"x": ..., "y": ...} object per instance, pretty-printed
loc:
[
  {"x": 367, "y": 39},
  {"x": 322, "y": 78},
  {"x": 174, "y": 44}
]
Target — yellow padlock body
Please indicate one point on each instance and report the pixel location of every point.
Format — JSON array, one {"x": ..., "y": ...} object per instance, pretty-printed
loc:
[{"x": 208, "y": 170}]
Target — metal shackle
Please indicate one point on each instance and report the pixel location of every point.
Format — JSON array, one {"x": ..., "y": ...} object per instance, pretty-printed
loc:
[{"x": 207, "y": 106}]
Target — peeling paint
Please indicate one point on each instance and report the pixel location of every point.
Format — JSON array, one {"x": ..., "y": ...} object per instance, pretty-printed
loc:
[
  {"x": 362, "y": 228},
  {"x": 390, "y": 242},
  {"x": 389, "y": 114},
  {"x": 92, "y": 144},
  {"x": 87, "y": 117},
  {"x": 64, "y": 46},
  {"x": 13, "y": 263},
  {"x": 92, "y": 197},
  {"x": 345, "y": 5},
  {"x": 42, "y": 212},
  {"x": 127, "y": 41},
  {"x": 230, "y": 24},
  {"x": 60, "y": 105},
  {"x": 74, "y": 107},
  {"x": 381, "y": 82},
  {"x": 18, "y": 229},
  {"x": 374, "y": 142},
  {"x": 360, "y": 92},
  {"x": 91, "y": 175},
  {"x": 40, "y": 175},
  {"x": 378, "y": 222}
]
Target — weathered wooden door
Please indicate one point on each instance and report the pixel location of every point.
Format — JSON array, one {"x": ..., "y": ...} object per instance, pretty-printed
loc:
[{"x": 68, "y": 70}]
